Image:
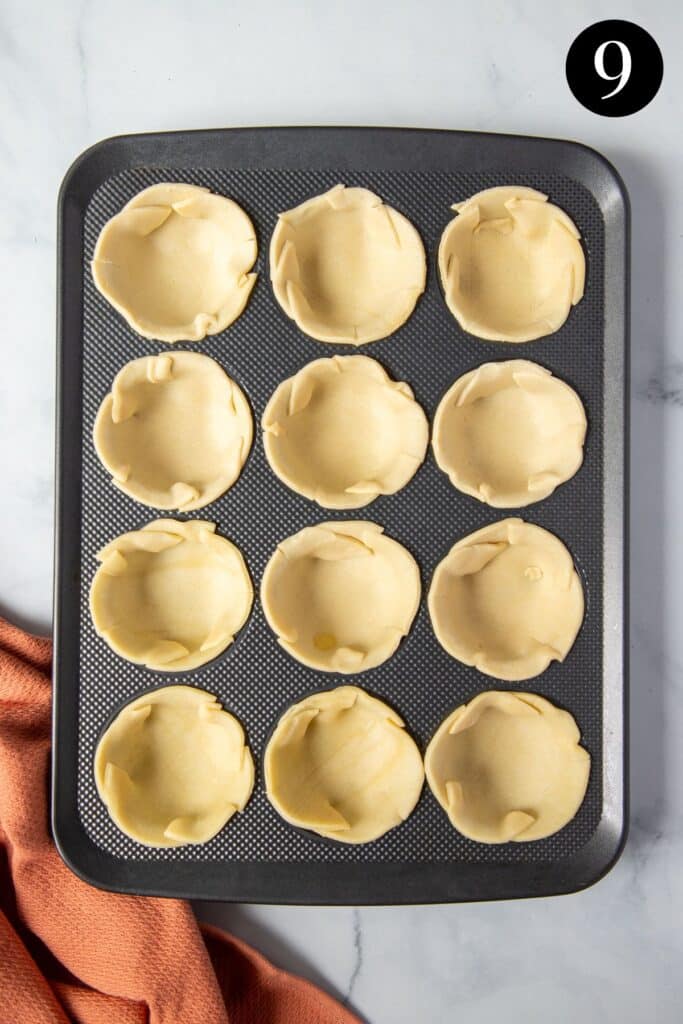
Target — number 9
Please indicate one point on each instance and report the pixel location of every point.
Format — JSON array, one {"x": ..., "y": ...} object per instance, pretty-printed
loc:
[{"x": 626, "y": 63}]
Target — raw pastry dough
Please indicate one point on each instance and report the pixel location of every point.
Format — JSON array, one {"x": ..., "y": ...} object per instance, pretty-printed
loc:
[
  {"x": 507, "y": 600},
  {"x": 342, "y": 431},
  {"x": 511, "y": 264},
  {"x": 508, "y": 766},
  {"x": 345, "y": 267},
  {"x": 340, "y": 596},
  {"x": 341, "y": 764},
  {"x": 175, "y": 260},
  {"x": 509, "y": 433},
  {"x": 171, "y": 595},
  {"x": 175, "y": 430},
  {"x": 173, "y": 767}
]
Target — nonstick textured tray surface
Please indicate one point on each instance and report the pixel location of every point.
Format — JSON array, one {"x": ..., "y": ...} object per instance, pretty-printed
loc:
[{"x": 258, "y": 856}]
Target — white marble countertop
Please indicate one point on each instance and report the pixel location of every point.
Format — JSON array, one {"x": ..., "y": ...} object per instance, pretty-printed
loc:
[{"x": 75, "y": 72}]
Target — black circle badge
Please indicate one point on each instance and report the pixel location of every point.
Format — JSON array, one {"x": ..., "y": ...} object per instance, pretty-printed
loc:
[{"x": 614, "y": 68}]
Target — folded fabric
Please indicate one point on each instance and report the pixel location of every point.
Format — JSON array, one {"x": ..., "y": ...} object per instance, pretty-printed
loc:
[{"x": 69, "y": 952}]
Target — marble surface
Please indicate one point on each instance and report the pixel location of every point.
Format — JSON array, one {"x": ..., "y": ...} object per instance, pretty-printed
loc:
[{"x": 75, "y": 72}]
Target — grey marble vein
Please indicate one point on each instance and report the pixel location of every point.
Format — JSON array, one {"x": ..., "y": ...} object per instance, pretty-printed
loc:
[
  {"x": 665, "y": 387},
  {"x": 358, "y": 956},
  {"x": 82, "y": 54}
]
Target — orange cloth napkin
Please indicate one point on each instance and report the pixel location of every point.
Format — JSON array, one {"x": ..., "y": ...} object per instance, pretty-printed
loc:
[{"x": 69, "y": 952}]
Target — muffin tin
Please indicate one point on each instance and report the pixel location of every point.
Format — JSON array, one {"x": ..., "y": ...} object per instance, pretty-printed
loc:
[{"x": 259, "y": 857}]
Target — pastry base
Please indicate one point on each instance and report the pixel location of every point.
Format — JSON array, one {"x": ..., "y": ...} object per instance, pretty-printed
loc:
[
  {"x": 341, "y": 764},
  {"x": 341, "y": 596},
  {"x": 341, "y": 431},
  {"x": 173, "y": 767},
  {"x": 508, "y": 766},
  {"x": 170, "y": 596}
]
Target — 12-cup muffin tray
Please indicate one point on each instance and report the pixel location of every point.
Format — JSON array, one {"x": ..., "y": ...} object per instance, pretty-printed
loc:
[{"x": 258, "y": 856}]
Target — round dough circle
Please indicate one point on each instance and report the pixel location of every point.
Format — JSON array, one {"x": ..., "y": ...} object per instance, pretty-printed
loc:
[
  {"x": 511, "y": 265},
  {"x": 507, "y": 600},
  {"x": 175, "y": 260},
  {"x": 341, "y": 764},
  {"x": 341, "y": 431},
  {"x": 341, "y": 596},
  {"x": 175, "y": 430},
  {"x": 170, "y": 596},
  {"x": 508, "y": 766},
  {"x": 346, "y": 267},
  {"x": 173, "y": 767},
  {"x": 509, "y": 433}
]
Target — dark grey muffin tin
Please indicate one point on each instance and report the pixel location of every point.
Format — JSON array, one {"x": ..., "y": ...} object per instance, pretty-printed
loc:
[{"x": 258, "y": 857}]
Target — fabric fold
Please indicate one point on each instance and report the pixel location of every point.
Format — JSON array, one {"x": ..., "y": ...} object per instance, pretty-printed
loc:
[{"x": 72, "y": 953}]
